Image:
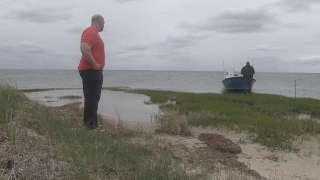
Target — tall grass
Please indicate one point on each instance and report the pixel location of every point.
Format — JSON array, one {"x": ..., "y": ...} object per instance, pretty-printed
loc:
[
  {"x": 171, "y": 123},
  {"x": 90, "y": 154},
  {"x": 98, "y": 155},
  {"x": 270, "y": 119},
  {"x": 8, "y": 102}
]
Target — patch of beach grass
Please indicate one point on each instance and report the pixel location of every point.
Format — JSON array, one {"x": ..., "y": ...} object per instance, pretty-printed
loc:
[
  {"x": 70, "y": 151},
  {"x": 8, "y": 100},
  {"x": 70, "y": 97},
  {"x": 44, "y": 89},
  {"x": 170, "y": 122},
  {"x": 120, "y": 88},
  {"x": 269, "y": 119},
  {"x": 97, "y": 155},
  {"x": 37, "y": 90}
]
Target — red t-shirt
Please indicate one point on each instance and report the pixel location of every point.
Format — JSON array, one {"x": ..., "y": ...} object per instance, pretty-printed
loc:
[{"x": 92, "y": 37}]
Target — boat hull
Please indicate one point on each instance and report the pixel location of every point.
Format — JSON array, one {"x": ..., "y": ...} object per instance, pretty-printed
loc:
[{"x": 235, "y": 82}]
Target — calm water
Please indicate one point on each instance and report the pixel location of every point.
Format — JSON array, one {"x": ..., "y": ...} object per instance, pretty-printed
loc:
[
  {"x": 130, "y": 107},
  {"x": 114, "y": 104},
  {"x": 307, "y": 84}
]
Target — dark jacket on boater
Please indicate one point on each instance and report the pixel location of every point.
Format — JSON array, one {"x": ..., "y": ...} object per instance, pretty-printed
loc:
[{"x": 247, "y": 72}]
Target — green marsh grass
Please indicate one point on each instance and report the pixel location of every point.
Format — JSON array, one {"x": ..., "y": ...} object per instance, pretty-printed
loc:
[
  {"x": 44, "y": 89},
  {"x": 86, "y": 154},
  {"x": 37, "y": 90},
  {"x": 70, "y": 97},
  {"x": 271, "y": 120}
]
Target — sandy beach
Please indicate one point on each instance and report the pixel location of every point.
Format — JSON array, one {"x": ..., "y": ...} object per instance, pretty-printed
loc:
[{"x": 255, "y": 161}]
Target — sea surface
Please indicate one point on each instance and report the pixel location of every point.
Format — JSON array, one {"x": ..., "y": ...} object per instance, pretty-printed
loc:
[
  {"x": 307, "y": 84},
  {"x": 130, "y": 107}
]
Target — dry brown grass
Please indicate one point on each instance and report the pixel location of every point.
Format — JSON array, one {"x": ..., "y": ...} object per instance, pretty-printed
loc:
[
  {"x": 29, "y": 156},
  {"x": 171, "y": 123}
]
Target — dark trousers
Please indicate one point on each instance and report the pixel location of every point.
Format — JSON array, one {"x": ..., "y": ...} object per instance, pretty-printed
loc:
[
  {"x": 92, "y": 84},
  {"x": 247, "y": 86}
]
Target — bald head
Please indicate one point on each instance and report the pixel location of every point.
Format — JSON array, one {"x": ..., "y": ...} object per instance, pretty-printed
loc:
[
  {"x": 97, "y": 22},
  {"x": 96, "y": 18}
]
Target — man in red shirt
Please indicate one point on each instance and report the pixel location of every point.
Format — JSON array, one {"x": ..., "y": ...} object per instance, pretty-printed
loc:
[{"x": 90, "y": 68}]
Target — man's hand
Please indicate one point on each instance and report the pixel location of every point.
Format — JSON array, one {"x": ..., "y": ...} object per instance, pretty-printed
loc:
[
  {"x": 86, "y": 52},
  {"x": 96, "y": 66}
]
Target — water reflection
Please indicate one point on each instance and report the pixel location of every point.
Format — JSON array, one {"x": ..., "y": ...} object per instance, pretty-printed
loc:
[{"x": 114, "y": 104}]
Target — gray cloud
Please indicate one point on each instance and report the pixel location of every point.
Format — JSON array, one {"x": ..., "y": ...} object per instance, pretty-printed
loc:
[
  {"x": 128, "y": 58},
  {"x": 268, "y": 63},
  {"x": 237, "y": 21},
  {"x": 124, "y": 1},
  {"x": 177, "y": 42},
  {"x": 274, "y": 64},
  {"x": 41, "y": 15},
  {"x": 135, "y": 33},
  {"x": 75, "y": 30},
  {"x": 263, "y": 60},
  {"x": 25, "y": 47},
  {"x": 270, "y": 48},
  {"x": 294, "y": 25},
  {"x": 307, "y": 62},
  {"x": 136, "y": 48},
  {"x": 312, "y": 40},
  {"x": 28, "y": 54},
  {"x": 275, "y": 41},
  {"x": 124, "y": 56},
  {"x": 297, "y": 5},
  {"x": 117, "y": 52},
  {"x": 173, "y": 47},
  {"x": 80, "y": 27},
  {"x": 167, "y": 54},
  {"x": 308, "y": 41}
]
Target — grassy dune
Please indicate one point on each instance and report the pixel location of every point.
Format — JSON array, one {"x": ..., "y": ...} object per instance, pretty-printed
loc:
[
  {"x": 39, "y": 142},
  {"x": 271, "y": 120}
]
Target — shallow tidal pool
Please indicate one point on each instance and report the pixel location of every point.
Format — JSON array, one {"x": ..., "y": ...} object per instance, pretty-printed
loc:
[{"x": 113, "y": 104}]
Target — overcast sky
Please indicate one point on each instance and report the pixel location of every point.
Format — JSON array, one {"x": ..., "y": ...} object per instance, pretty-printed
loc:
[{"x": 190, "y": 35}]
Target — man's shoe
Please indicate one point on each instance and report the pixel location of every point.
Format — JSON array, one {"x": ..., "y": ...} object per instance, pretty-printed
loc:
[{"x": 97, "y": 127}]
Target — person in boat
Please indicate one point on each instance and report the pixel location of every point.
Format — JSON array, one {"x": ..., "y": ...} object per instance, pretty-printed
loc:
[{"x": 247, "y": 71}]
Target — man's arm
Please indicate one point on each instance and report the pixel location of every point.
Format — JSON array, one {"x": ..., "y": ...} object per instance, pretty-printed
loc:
[{"x": 85, "y": 49}]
